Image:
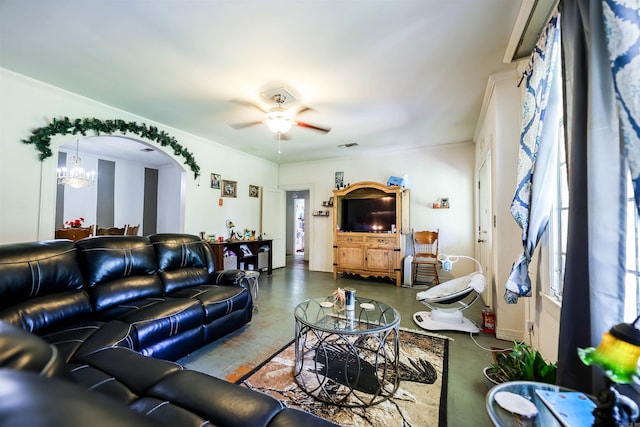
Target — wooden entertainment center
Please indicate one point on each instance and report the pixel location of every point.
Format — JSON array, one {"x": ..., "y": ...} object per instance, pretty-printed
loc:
[{"x": 368, "y": 252}]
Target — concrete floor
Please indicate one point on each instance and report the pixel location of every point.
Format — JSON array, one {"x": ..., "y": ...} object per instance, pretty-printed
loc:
[{"x": 272, "y": 327}]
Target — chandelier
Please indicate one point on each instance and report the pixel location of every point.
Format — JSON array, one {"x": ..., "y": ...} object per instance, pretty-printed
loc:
[{"x": 76, "y": 176}]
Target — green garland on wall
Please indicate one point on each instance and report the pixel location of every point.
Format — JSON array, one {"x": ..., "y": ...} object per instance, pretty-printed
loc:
[{"x": 41, "y": 137}]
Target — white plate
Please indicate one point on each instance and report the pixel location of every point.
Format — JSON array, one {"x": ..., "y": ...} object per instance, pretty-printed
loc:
[
  {"x": 367, "y": 306},
  {"x": 326, "y": 304},
  {"x": 516, "y": 404}
]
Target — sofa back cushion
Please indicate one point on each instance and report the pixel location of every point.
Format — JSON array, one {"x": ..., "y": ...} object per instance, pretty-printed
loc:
[
  {"x": 33, "y": 269},
  {"x": 41, "y": 285},
  {"x": 183, "y": 260},
  {"x": 118, "y": 269}
]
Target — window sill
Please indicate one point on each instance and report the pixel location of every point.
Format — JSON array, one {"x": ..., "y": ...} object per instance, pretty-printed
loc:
[{"x": 551, "y": 305}]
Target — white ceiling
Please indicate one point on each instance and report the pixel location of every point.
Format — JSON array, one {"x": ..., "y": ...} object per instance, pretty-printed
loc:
[{"x": 385, "y": 74}]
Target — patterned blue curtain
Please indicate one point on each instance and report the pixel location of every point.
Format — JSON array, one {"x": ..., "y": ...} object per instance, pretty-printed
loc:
[
  {"x": 622, "y": 26},
  {"x": 537, "y": 160}
]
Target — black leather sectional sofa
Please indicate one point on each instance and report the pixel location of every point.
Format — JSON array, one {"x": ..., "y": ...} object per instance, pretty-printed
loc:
[{"x": 88, "y": 331}]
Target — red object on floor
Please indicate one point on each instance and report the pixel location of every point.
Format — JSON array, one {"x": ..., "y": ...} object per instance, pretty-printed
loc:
[{"x": 488, "y": 320}]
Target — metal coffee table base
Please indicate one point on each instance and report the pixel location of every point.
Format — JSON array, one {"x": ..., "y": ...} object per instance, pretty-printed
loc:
[{"x": 347, "y": 368}]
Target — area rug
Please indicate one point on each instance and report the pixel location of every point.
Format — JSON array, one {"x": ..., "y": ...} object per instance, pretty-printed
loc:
[{"x": 420, "y": 399}]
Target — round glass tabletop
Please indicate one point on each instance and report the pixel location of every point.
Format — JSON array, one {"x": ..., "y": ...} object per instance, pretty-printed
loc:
[{"x": 367, "y": 316}]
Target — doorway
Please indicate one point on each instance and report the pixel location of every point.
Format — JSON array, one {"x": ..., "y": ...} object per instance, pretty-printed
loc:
[
  {"x": 485, "y": 226},
  {"x": 297, "y": 239},
  {"x": 298, "y": 226}
]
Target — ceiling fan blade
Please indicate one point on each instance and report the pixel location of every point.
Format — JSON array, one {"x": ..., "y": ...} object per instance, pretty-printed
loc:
[
  {"x": 248, "y": 104},
  {"x": 304, "y": 109},
  {"x": 310, "y": 126},
  {"x": 245, "y": 125}
]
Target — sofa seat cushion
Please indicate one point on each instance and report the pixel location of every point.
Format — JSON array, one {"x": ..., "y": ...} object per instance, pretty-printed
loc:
[
  {"x": 225, "y": 404},
  {"x": 218, "y": 301},
  {"x": 27, "y": 399},
  {"x": 120, "y": 373},
  {"x": 87, "y": 337},
  {"x": 171, "y": 395},
  {"x": 154, "y": 320}
]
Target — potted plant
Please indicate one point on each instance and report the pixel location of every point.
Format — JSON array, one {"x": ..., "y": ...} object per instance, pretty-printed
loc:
[
  {"x": 521, "y": 363},
  {"x": 75, "y": 223}
]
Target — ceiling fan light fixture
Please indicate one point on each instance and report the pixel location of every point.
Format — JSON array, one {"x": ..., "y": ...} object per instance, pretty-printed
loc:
[{"x": 278, "y": 120}]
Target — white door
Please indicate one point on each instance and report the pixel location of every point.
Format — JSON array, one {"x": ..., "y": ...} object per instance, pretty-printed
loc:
[
  {"x": 273, "y": 223},
  {"x": 484, "y": 226}
]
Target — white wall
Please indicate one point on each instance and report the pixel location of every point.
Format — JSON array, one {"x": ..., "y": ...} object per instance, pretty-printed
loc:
[
  {"x": 501, "y": 131},
  {"x": 433, "y": 172},
  {"x": 28, "y": 204},
  {"x": 171, "y": 184}
]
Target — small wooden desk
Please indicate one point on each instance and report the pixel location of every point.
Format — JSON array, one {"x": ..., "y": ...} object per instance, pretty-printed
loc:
[{"x": 260, "y": 259}]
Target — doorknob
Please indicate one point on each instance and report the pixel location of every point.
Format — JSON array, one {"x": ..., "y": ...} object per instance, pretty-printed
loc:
[{"x": 481, "y": 241}]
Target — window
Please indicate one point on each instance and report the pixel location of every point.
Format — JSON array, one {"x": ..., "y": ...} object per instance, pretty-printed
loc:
[
  {"x": 558, "y": 235},
  {"x": 558, "y": 223},
  {"x": 632, "y": 278}
]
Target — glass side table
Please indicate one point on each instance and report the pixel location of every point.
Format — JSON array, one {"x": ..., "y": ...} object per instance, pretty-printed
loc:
[
  {"x": 252, "y": 276},
  {"x": 527, "y": 389}
]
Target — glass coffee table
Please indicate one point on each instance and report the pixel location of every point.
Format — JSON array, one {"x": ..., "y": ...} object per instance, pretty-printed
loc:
[{"x": 347, "y": 357}]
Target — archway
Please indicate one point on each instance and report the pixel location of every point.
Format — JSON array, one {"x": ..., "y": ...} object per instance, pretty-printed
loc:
[
  {"x": 48, "y": 186},
  {"x": 130, "y": 174}
]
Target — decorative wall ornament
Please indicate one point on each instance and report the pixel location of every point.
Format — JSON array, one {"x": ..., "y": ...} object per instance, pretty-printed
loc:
[
  {"x": 254, "y": 191},
  {"x": 229, "y": 188},
  {"x": 41, "y": 137},
  {"x": 215, "y": 181}
]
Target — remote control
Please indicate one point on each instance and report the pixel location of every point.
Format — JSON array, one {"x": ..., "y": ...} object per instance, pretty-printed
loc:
[{"x": 419, "y": 318}]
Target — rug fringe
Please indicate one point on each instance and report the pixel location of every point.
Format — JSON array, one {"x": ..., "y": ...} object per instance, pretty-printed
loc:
[{"x": 423, "y": 332}]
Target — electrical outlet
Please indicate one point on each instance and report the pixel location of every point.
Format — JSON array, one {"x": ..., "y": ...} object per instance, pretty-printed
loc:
[{"x": 529, "y": 326}]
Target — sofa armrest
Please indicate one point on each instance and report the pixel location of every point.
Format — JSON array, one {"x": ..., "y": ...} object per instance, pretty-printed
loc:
[
  {"x": 23, "y": 351},
  {"x": 228, "y": 277}
]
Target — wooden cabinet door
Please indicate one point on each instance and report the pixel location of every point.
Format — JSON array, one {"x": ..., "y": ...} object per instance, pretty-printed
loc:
[
  {"x": 379, "y": 259},
  {"x": 350, "y": 257}
]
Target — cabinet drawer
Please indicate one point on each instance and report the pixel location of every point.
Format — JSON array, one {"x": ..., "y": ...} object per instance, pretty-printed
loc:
[
  {"x": 346, "y": 238},
  {"x": 381, "y": 240}
]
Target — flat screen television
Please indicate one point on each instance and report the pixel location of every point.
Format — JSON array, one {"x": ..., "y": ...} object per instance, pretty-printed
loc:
[{"x": 373, "y": 215}]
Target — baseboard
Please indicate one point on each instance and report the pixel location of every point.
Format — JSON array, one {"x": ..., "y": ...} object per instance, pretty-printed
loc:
[{"x": 509, "y": 334}]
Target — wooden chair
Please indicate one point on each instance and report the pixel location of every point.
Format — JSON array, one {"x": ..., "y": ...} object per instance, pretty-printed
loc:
[
  {"x": 131, "y": 230},
  {"x": 425, "y": 256},
  {"x": 74, "y": 233},
  {"x": 110, "y": 231}
]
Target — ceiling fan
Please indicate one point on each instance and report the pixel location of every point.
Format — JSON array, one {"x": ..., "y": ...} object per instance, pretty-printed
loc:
[{"x": 279, "y": 119}]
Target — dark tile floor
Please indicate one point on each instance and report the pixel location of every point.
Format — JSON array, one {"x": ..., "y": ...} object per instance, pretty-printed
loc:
[{"x": 272, "y": 327}]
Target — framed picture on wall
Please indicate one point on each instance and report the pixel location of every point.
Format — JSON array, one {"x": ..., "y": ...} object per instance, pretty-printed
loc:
[
  {"x": 254, "y": 191},
  {"x": 215, "y": 181},
  {"x": 229, "y": 188}
]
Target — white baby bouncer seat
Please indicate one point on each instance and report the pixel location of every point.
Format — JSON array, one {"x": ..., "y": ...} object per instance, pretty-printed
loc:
[{"x": 454, "y": 291}]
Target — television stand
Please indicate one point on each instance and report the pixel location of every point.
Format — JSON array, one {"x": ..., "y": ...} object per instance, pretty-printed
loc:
[{"x": 370, "y": 254}]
